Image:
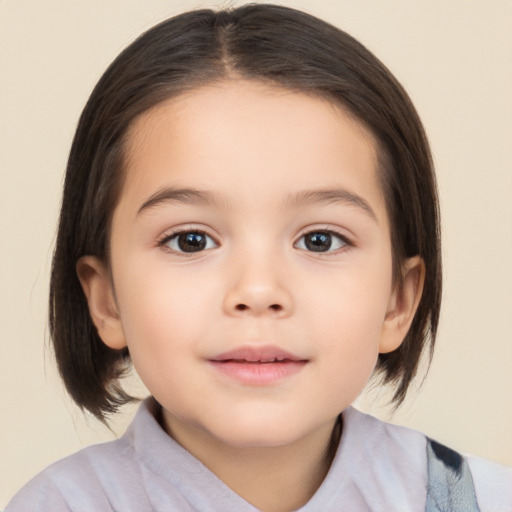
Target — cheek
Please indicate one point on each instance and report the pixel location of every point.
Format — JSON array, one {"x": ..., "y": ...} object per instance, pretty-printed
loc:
[
  {"x": 351, "y": 303},
  {"x": 164, "y": 316},
  {"x": 347, "y": 355},
  {"x": 153, "y": 295},
  {"x": 347, "y": 319}
]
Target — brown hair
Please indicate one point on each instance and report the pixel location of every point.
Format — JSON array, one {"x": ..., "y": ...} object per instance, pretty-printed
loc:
[{"x": 262, "y": 42}]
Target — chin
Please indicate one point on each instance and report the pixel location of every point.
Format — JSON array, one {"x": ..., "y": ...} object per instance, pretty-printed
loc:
[
  {"x": 260, "y": 434},
  {"x": 247, "y": 440}
]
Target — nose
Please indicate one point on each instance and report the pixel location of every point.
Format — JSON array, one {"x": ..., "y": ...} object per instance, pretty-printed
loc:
[{"x": 258, "y": 288}]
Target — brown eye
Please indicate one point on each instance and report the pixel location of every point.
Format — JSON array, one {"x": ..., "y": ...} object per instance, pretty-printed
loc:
[
  {"x": 321, "y": 241},
  {"x": 189, "y": 241}
]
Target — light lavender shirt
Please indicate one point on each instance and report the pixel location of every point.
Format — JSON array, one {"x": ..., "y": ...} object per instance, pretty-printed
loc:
[{"x": 378, "y": 467}]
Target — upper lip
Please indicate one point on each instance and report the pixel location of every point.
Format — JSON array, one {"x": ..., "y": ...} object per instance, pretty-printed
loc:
[{"x": 261, "y": 354}]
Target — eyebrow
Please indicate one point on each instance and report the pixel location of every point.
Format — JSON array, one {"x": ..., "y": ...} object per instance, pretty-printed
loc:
[
  {"x": 329, "y": 196},
  {"x": 303, "y": 198},
  {"x": 182, "y": 195}
]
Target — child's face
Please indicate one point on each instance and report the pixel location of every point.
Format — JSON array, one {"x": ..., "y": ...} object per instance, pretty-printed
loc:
[{"x": 289, "y": 256}]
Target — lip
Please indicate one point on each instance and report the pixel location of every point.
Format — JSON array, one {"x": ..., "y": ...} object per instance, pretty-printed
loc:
[{"x": 258, "y": 366}]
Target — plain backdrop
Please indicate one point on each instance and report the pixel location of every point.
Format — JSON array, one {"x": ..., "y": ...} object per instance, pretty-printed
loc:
[{"x": 455, "y": 60}]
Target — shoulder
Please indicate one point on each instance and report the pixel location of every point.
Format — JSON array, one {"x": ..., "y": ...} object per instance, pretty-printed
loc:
[
  {"x": 77, "y": 482},
  {"x": 38, "y": 495},
  {"x": 102, "y": 477},
  {"x": 422, "y": 469},
  {"x": 493, "y": 484}
]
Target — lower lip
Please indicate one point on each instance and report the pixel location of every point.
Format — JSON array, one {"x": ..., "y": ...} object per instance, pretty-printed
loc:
[{"x": 258, "y": 374}]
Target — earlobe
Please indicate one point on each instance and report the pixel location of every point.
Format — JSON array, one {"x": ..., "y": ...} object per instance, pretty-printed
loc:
[
  {"x": 403, "y": 304},
  {"x": 97, "y": 286}
]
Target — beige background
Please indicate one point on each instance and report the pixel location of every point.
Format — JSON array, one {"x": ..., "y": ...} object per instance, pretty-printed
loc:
[{"x": 455, "y": 59}]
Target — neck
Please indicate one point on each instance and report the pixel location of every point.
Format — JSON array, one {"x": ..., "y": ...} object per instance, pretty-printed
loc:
[{"x": 298, "y": 469}]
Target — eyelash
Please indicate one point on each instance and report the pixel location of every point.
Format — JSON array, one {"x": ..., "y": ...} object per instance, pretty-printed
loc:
[{"x": 174, "y": 234}]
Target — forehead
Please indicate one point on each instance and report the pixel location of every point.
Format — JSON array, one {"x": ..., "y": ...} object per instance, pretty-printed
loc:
[{"x": 252, "y": 140}]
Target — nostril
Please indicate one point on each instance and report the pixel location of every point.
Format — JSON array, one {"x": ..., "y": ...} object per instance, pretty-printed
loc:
[{"x": 275, "y": 307}]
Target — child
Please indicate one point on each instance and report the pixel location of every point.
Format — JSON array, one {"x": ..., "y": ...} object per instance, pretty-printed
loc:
[{"x": 250, "y": 216}]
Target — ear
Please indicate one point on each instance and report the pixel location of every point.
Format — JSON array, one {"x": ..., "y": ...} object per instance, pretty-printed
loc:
[
  {"x": 403, "y": 304},
  {"x": 97, "y": 286}
]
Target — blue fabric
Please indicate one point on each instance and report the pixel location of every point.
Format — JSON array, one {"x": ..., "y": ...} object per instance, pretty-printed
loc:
[{"x": 450, "y": 484}]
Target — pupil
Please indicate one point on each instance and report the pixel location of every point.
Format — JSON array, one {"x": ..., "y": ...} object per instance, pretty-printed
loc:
[
  {"x": 318, "y": 242},
  {"x": 191, "y": 242}
]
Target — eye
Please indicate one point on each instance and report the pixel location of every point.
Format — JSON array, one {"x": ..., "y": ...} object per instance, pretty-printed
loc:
[
  {"x": 322, "y": 241},
  {"x": 189, "y": 241}
]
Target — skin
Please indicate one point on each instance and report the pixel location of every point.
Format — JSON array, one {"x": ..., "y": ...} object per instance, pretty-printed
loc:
[{"x": 256, "y": 283}]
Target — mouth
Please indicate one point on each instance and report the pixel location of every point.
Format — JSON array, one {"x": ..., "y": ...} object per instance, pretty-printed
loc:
[{"x": 258, "y": 366}]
